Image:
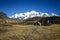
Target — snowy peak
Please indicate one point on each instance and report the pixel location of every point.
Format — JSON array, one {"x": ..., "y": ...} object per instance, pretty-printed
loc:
[
  {"x": 31, "y": 14},
  {"x": 45, "y": 15},
  {"x": 53, "y": 14}
]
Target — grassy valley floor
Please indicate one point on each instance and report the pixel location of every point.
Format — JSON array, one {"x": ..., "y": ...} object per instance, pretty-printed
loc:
[{"x": 30, "y": 32}]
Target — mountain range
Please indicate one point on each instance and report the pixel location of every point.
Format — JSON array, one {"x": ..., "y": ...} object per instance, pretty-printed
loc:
[
  {"x": 32, "y": 17},
  {"x": 31, "y": 14}
]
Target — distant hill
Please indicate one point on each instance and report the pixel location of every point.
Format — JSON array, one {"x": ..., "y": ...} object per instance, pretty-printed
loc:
[
  {"x": 3, "y": 15},
  {"x": 3, "y": 18}
]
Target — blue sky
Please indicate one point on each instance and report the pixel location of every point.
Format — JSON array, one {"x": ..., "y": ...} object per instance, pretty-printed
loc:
[{"x": 11, "y": 7}]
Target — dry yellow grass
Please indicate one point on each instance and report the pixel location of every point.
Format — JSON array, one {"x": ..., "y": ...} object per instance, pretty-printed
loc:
[{"x": 31, "y": 32}]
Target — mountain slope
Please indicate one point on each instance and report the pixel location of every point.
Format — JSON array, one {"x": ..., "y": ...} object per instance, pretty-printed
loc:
[{"x": 3, "y": 15}]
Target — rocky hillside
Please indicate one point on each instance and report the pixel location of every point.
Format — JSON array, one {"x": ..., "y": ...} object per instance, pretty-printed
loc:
[
  {"x": 43, "y": 20},
  {"x": 3, "y": 18},
  {"x": 3, "y": 15}
]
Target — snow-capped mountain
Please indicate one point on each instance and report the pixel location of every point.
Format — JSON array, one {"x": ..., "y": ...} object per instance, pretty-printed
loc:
[
  {"x": 53, "y": 14},
  {"x": 31, "y": 14}
]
